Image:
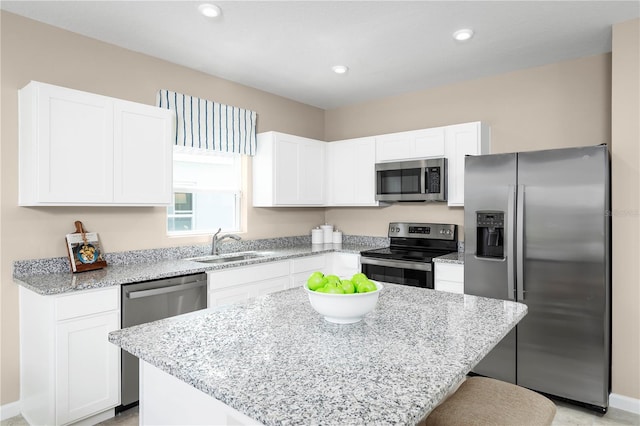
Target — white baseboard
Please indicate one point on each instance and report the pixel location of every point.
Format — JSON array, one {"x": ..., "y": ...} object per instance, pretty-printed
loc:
[
  {"x": 625, "y": 403},
  {"x": 9, "y": 410}
]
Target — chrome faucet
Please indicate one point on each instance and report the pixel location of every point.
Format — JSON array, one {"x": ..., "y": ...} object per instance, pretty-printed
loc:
[{"x": 215, "y": 240}]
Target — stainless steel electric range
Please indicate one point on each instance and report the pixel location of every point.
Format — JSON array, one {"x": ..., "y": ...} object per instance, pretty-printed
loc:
[{"x": 409, "y": 258}]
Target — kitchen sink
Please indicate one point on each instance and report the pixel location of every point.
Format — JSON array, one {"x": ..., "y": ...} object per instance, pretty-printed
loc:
[{"x": 227, "y": 257}]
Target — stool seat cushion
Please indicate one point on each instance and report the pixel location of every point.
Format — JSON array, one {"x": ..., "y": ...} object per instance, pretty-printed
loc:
[{"x": 483, "y": 401}]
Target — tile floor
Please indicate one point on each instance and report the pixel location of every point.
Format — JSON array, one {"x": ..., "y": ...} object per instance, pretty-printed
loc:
[{"x": 567, "y": 415}]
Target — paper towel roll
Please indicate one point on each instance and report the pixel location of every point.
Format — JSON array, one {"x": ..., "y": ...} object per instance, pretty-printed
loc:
[
  {"x": 317, "y": 236},
  {"x": 328, "y": 233},
  {"x": 337, "y": 237}
]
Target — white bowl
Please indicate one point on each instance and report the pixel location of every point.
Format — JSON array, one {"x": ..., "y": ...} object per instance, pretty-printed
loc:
[{"x": 344, "y": 308}]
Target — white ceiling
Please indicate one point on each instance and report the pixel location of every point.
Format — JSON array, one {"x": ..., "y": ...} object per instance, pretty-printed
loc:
[{"x": 391, "y": 47}]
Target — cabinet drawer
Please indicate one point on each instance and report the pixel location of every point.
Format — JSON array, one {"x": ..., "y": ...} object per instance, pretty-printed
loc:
[
  {"x": 450, "y": 286},
  {"x": 247, "y": 274},
  {"x": 310, "y": 263},
  {"x": 92, "y": 302},
  {"x": 449, "y": 272}
]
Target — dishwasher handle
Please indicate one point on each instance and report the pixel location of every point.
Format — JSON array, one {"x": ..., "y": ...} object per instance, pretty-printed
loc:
[{"x": 164, "y": 290}]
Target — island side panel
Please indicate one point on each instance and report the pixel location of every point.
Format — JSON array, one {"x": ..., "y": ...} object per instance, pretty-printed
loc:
[{"x": 167, "y": 400}]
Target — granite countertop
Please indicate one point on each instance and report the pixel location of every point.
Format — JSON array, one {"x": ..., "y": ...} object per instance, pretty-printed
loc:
[
  {"x": 277, "y": 361},
  {"x": 50, "y": 283},
  {"x": 455, "y": 257}
]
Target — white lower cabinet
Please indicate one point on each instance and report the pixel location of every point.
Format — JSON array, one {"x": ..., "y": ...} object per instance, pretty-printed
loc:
[
  {"x": 68, "y": 369},
  {"x": 449, "y": 277},
  {"x": 302, "y": 267},
  {"x": 239, "y": 285},
  {"x": 86, "y": 374},
  {"x": 343, "y": 264}
]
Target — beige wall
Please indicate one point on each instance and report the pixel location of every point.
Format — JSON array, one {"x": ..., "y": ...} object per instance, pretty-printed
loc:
[
  {"x": 34, "y": 51},
  {"x": 625, "y": 158}
]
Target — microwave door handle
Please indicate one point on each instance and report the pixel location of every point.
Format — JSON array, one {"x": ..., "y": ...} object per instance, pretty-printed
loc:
[{"x": 510, "y": 242}]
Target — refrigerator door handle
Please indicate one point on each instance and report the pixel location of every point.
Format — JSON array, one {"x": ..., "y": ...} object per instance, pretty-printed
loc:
[
  {"x": 520, "y": 243},
  {"x": 511, "y": 206}
]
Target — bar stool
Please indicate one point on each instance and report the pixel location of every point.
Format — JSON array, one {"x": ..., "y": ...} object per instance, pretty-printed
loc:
[{"x": 481, "y": 401}]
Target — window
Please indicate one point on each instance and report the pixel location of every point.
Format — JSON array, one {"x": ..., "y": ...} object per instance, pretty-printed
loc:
[{"x": 206, "y": 193}]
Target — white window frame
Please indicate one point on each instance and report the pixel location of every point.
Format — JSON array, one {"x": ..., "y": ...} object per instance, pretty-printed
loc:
[{"x": 189, "y": 155}]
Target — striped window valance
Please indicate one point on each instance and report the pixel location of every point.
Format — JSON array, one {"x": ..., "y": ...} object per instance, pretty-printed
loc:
[{"x": 203, "y": 124}]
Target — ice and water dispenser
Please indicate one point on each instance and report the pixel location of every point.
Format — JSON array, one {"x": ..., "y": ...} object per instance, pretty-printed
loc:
[{"x": 490, "y": 237}]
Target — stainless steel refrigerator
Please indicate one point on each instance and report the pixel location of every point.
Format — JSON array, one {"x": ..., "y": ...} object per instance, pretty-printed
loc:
[{"x": 537, "y": 230}]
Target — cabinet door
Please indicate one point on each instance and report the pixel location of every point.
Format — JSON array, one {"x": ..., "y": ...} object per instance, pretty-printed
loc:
[
  {"x": 462, "y": 139},
  {"x": 142, "y": 154},
  {"x": 428, "y": 142},
  {"x": 230, "y": 295},
  {"x": 343, "y": 264},
  {"x": 449, "y": 277},
  {"x": 351, "y": 172},
  {"x": 286, "y": 168},
  {"x": 311, "y": 164},
  {"x": 74, "y": 141},
  {"x": 395, "y": 146},
  {"x": 262, "y": 288},
  {"x": 302, "y": 267},
  {"x": 87, "y": 367},
  {"x": 410, "y": 145}
]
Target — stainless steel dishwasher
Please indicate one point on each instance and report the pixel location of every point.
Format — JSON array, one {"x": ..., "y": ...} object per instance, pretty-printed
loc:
[{"x": 151, "y": 301}]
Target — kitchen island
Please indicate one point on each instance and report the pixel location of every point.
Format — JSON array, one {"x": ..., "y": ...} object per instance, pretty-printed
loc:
[{"x": 276, "y": 361}]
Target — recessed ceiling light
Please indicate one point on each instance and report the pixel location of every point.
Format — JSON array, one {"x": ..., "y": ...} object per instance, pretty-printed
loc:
[
  {"x": 210, "y": 10},
  {"x": 463, "y": 34},
  {"x": 340, "y": 69}
]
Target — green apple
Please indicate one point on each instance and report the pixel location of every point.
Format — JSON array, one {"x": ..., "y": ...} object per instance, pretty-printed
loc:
[
  {"x": 332, "y": 278},
  {"x": 316, "y": 281},
  {"x": 359, "y": 277},
  {"x": 366, "y": 286},
  {"x": 331, "y": 289},
  {"x": 348, "y": 286}
]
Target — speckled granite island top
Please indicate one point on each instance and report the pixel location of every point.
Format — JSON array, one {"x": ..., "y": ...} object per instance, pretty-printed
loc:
[{"x": 277, "y": 361}]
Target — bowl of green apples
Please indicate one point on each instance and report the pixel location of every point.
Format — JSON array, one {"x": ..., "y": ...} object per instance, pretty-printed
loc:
[{"x": 342, "y": 300}]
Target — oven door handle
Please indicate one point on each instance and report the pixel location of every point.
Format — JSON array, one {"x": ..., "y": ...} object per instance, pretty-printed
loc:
[
  {"x": 417, "y": 266},
  {"x": 164, "y": 290}
]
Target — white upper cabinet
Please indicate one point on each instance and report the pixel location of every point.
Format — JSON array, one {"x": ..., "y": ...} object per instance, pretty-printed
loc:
[
  {"x": 79, "y": 148},
  {"x": 460, "y": 140},
  {"x": 292, "y": 171},
  {"x": 143, "y": 165},
  {"x": 410, "y": 145},
  {"x": 351, "y": 172},
  {"x": 288, "y": 171}
]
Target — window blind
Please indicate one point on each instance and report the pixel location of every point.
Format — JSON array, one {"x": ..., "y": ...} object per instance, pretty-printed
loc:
[{"x": 208, "y": 125}]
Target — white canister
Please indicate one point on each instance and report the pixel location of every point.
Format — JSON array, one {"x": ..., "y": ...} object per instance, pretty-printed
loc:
[
  {"x": 327, "y": 233},
  {"x": 337, "y": 237},
  {"x": 317, "y": 236}
]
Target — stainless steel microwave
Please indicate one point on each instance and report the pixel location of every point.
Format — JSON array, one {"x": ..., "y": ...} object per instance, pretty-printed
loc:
[{"x": 417, "y": 180}]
